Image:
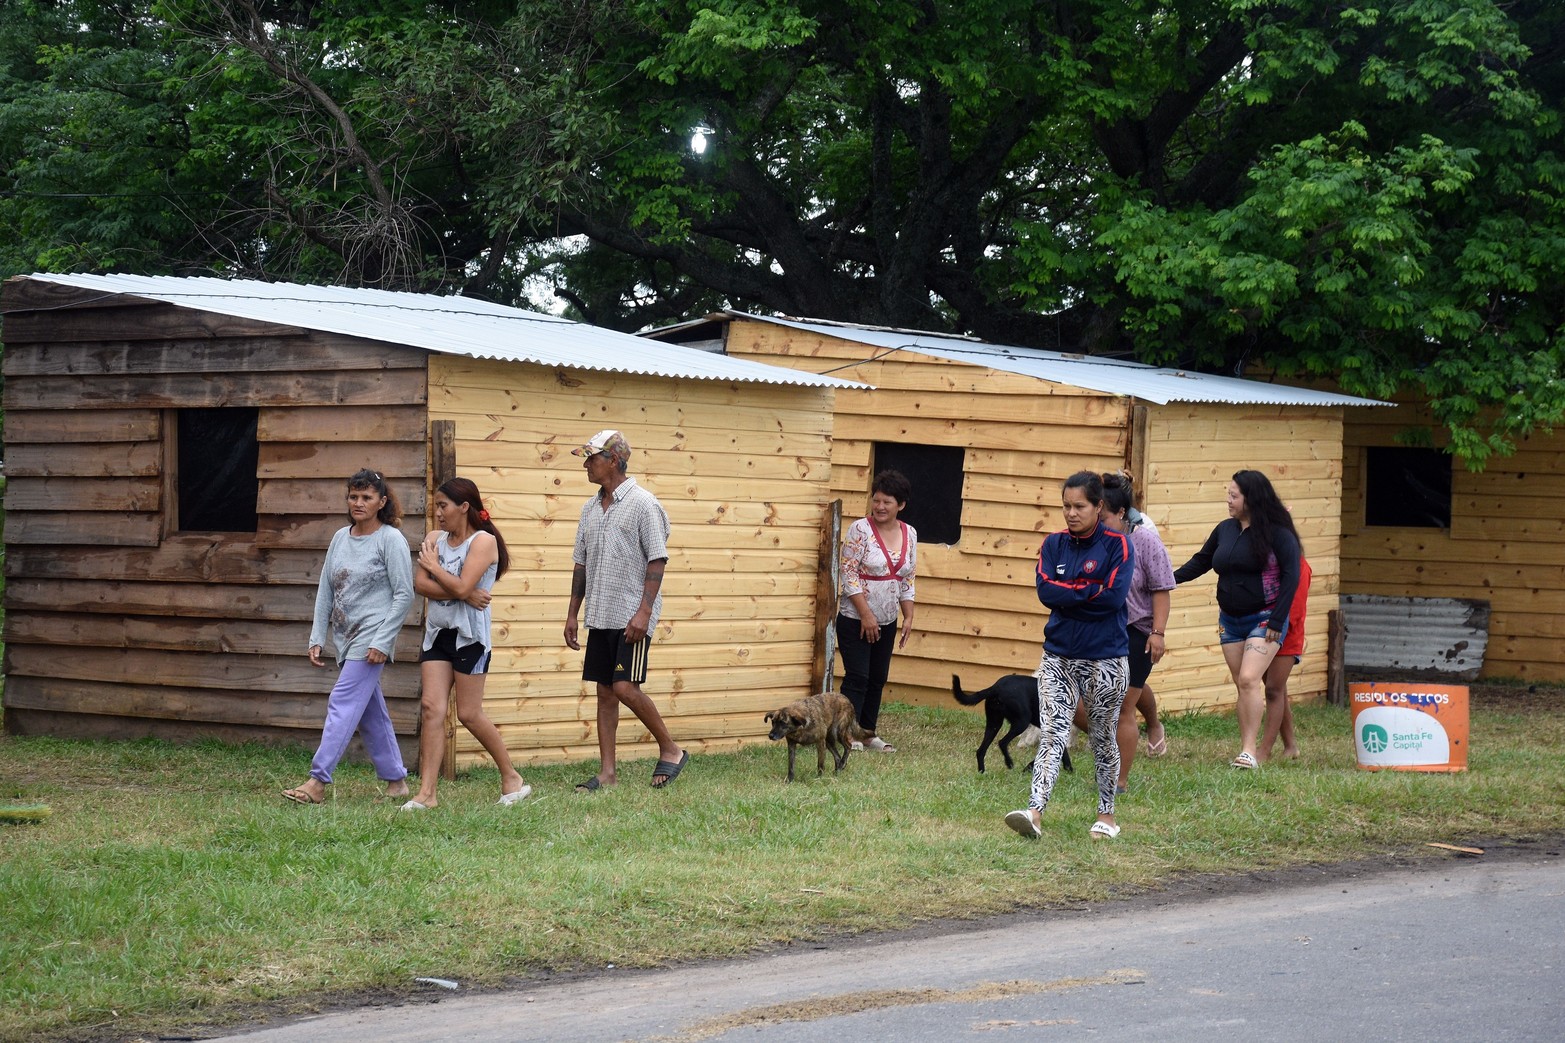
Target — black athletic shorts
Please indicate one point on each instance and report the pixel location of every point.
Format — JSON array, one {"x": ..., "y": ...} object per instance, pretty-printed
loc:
[
  {"x": 610, "y": 659},
  {"x": 469, "y": 659},
  {"x": 1140, "y": 661}
]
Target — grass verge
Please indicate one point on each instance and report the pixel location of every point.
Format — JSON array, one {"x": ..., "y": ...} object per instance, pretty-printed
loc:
[{"x": 173, "y": 887}]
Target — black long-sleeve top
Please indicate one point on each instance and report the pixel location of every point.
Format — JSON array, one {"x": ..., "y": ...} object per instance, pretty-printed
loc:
[{"x": 1242, "y": 589}]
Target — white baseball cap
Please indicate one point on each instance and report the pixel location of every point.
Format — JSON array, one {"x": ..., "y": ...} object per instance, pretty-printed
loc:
[{"x": 607, "y": 441}]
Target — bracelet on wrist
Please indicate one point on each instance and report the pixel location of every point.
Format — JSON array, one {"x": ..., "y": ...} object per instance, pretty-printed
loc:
[{"x": 1159, "y": 633}]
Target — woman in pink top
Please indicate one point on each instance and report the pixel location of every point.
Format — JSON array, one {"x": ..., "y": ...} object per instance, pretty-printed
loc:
[
  {"x": 878, "y": 558},
  {"x": 1146, "y": 609}
]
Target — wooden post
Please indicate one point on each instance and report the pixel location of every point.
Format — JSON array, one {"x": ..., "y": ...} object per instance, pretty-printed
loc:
[
  {"x": 1136, "y": 456},
  {"x": 1336, "y": 662},
  {"x": 827, "y": 567},
  {"x": 442, "y": 465},
  {"x": 442, "y": 455}
]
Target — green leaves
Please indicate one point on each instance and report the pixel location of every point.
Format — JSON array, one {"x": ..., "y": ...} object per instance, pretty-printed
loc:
[{"x": 1370, "y": 193}]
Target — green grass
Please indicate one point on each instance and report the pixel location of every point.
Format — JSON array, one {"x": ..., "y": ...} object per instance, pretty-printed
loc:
[{"x": 173, "y": 887}]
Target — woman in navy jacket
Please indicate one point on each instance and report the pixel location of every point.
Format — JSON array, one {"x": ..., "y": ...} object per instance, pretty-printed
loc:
[{"x": 1084, "y": 574}]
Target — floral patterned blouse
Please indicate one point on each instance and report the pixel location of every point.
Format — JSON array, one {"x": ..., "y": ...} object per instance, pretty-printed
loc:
[{"x": 885, "y": 580}]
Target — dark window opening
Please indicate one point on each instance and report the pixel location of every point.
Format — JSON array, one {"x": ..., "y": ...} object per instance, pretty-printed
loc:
[
  {"x": 218, "y": 457},
  {"x": 935, "y": 472},
  {"x": 1406, "y": 486}
]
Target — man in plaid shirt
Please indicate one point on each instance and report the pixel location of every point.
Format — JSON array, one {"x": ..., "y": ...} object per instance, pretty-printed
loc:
[{"x": 621, "y": 551}]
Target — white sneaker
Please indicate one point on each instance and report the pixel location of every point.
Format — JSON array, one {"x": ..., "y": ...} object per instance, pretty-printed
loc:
[{"x": 856, "y": 746}]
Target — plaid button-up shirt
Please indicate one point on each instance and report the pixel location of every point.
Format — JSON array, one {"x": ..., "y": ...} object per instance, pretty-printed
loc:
[{"x": 615, "y": 547}]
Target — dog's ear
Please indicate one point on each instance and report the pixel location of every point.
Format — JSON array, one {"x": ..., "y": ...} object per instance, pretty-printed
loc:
[{"x": 768, "y": 717}]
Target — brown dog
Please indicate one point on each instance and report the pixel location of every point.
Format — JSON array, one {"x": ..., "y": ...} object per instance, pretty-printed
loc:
[{"x": 827, "y": 720}]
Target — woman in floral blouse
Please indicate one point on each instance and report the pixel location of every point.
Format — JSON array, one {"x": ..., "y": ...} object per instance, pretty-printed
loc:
[{"x": 878, "y": 558}]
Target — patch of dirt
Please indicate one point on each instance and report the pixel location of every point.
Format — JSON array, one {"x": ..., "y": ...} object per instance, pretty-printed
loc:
[
  {"x": 860, "y": 1002},
  {"x": 1517, "y": 698}
]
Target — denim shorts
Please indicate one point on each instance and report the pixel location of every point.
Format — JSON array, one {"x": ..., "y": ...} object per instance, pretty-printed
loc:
[{"x": 1233, "y": 629}]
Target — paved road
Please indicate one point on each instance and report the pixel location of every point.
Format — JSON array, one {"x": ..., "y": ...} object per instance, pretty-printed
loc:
[{"x": 1468, "y": 949}]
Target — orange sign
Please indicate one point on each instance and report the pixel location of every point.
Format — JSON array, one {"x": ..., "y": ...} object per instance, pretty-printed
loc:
[{"x": 1409, "y": 727}]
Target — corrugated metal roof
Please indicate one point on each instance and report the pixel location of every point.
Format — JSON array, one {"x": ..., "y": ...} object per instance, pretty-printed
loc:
[
  {"x": 449, "y": 325},
  {"x": 1111, "y": 376}
]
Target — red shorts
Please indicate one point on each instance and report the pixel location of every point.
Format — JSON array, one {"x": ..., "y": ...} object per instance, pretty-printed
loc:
[{"x": 1293, "y": 640}]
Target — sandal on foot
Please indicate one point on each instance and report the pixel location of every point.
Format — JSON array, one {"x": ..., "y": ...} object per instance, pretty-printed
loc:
[
  {"x": 1105, "y": 830},
  {"x": 414, "y": 805},
  {"x": 1157, "y": 749},
  {"x": 592, "y": 785},
  {"x": 880, "y": 745},
  {"x": 302, "y": 796},
  {"x": 1246, "y": 761},
  {"x": 1021, "y": 821},
  {"x": 507, "y": 799},
  {"x": 669, "y": 770}
]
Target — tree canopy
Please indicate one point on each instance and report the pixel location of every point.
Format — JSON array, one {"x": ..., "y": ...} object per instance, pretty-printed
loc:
[{"x": 1367, "y": 194}]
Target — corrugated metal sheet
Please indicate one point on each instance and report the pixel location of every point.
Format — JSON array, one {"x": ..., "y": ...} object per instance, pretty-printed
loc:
[
  {"x": 1415, "y": 636},
  {"x": 1111, "y": 376},
  {"x": 450, "y": 325}
]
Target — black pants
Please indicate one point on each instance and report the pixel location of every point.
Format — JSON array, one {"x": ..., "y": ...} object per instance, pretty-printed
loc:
[{"x": 864, "y": 668}]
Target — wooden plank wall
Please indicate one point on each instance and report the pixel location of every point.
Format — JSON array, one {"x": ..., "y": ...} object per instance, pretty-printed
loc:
[
  {"x": 744, "y": 472},
  {"x": 1193, "y": 451},
  {"x": 1506, "y": 543},
  {"x": 978, "y": 613},
  {"x": 115, "y": 630}
]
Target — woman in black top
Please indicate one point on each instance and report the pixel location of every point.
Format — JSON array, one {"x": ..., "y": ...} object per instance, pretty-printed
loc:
[{"x": 1256, "y": 555}]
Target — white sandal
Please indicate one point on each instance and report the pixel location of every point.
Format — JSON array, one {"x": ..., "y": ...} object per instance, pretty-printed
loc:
[
  {"x": 507, "y": 799},
  {"x": 1022, "y": 822},
  {"x": 1106, "y": 830}
]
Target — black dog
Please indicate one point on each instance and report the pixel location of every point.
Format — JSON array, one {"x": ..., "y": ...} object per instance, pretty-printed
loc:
[{"x": 1013, "y": 700}]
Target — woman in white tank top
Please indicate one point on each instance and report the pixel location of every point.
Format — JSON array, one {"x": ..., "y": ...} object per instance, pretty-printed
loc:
[{"x": 458, "y": 563}]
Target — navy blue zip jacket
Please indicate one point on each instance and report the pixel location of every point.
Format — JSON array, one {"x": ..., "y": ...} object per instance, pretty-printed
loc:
[{"x": 1083, "y": 581}]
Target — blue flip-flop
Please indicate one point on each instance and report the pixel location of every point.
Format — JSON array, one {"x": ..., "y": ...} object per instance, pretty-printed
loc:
[{"x": 669, "y": 770}]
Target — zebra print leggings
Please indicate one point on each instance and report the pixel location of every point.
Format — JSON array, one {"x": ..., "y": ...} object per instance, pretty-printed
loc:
[{"x": 1061, "y": 683}]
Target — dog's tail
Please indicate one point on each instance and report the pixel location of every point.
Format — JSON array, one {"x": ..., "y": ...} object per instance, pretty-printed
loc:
[
  {"x": 962, "y": 697},
  {"x": 853, "y": 731}
]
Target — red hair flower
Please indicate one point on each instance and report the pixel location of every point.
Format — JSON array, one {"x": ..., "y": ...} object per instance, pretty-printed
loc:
[{"x": 483, "y": 515}]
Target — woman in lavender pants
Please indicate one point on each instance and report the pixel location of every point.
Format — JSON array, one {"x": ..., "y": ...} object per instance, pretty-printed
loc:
[{"x": 365, "y": 590}]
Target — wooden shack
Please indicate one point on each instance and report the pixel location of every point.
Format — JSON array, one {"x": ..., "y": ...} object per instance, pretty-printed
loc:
[
  {"x": 176, "y": 451},
  {"x": 1417, "y": 523},
  {"x": 987, "y": 433}
]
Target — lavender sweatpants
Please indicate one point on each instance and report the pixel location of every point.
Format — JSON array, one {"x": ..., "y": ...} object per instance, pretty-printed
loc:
[{"x": 356, "y": 702}]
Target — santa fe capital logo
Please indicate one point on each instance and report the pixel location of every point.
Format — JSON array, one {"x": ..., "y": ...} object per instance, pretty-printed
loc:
[{"x": 1374, "y": 738}]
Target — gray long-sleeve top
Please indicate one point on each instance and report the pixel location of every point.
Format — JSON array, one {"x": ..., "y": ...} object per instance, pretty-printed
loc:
[{"x": 365, "y": 589}]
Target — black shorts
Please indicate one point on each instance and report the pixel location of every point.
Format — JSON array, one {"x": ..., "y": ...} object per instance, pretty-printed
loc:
[
  {"x": 610, "y": 659},
  {"x": 469, "y": 659},
  {"x": 1140, "y": 661}
]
